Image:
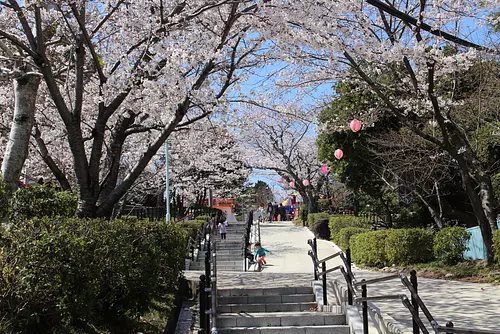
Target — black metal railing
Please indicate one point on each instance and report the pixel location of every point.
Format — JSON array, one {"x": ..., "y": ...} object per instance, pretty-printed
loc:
[
  {"x": 208, "y": 288},
  {"x": 358, "y": 293}
]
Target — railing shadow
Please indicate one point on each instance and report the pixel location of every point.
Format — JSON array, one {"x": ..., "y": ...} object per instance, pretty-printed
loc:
[{"x": 357, "y": 293}]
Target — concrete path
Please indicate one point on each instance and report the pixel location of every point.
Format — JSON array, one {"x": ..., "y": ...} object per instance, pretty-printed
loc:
[{"x": 473, "y": 305}]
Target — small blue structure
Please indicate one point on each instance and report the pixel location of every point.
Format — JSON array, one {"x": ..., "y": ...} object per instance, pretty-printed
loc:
[{"x": 475, "y": 245}]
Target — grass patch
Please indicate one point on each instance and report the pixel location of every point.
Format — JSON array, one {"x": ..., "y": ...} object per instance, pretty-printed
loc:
[{"x": 468, "y": 271}]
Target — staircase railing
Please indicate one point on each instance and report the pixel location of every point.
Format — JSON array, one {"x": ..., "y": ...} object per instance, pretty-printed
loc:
[
  {"x": 357, "y": 293},
  {"x": 208, "y": 288}
]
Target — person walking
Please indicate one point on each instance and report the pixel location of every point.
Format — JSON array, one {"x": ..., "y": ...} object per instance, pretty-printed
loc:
[
  {"x": 275, "y": 211},
  {"x": 270, "y": 211},
  {"x": 223, "y": 230}
]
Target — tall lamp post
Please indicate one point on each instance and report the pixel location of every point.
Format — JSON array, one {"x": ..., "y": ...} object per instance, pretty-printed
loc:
[{"x": 167, "y": 185}]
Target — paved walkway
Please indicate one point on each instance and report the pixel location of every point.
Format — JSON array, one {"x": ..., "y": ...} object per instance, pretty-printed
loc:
[{"x": 473, "y": 305}]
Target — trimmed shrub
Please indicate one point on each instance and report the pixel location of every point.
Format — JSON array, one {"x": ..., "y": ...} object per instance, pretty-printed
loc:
[
  {"x": 496, "y": 246},
  {"x": 321, "y": 229},
  {"x": 338, "y": 222},
  {"x": 39, "y": 201},
  {"x": 192, "y": 226},
  {"x": 345, "y": 235},
  {"x": 408, "y": 245},
  {"x": 62, "y": 275},
  {"x": 204, "y": 218},
  {"x": 369, "y": 248},
  {"x": 450, "y": 244},
  {"x": 312, "y": 218}
]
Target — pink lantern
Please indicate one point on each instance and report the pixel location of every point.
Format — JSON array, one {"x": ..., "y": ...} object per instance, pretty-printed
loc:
[
  {"x": 292, "y": 184},
  {"x": 282, "y": 180},
  {"x": 355, "y": 125},
  {"x": 324, "y": 169},
  {"x": 305, "y": 183},
  {"x": 339, "y": 153}
]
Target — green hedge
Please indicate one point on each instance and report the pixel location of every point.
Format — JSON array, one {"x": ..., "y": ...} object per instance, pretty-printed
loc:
[
  {"x": 192, "y": 226},
  {"x": 369, "y": 248},
  {"x": 345, "y": 234},
  {"x": 312, "y": 218},
  {"x": 450, "y": 244},
  {"x": 204, "y": 218},
  {"x": 496, "y": 246},
  {"x": 408, "y": 246},
  {"x": 63, "y": 275},
  {"x": 37, "y": 201},
  {"x": 338, "y": 222}
]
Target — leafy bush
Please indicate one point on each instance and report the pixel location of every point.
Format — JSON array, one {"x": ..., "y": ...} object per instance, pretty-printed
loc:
[
  {"x": 204, "y": 218},
  {"x": 338, "y": 222},
  {"x": 408, "y": 246},
  {"x": 42, "y": 201},
  {"x": 496, "y": 246},
  {"x": 59, "y": 274},
  {"x": 369, "y": 248},
  {"x": 345, "y": 235},
  {"x": 323, "y": 205},
  {"x": 450, "y": 244},
  {"x": 312, "y": 218},
  {"x": 192, "y": 226}
]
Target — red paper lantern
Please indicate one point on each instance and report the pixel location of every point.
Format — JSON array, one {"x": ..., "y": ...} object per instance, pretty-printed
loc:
[
  {"x": 305, "y": 183},
  {"x": 282, "y": 180},
  {"x": 324, "y": 169},
  {"x": 355, "y": 125},
  {"x": 292, "y": 184},
  {"x": 339, "y": 154}
]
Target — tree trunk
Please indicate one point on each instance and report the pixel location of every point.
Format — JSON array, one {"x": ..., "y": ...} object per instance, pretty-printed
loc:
[{"x": 25, "y": 92}]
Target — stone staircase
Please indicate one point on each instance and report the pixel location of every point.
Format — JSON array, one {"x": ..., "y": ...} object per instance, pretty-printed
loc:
[
  {"x": 275, "y": 310},
  {"x": 229, "y": 251}
]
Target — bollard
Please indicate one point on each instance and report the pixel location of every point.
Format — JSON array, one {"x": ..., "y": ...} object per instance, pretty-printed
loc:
[
  {"x": 202, "y": 303},
  {"x": 349, "y": 276},
  {"x": 364, "y": 294},
  {"x": 449, "y": 324},
  {"x": 323, "y": 267},
  {"x": 413, "y": 281}
]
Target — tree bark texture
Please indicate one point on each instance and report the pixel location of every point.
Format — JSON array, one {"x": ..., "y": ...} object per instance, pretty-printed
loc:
[{"x": 25, "y": 92}]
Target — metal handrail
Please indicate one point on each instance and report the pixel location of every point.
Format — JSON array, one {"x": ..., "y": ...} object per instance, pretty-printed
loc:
[{"x": 352, "y": 284}]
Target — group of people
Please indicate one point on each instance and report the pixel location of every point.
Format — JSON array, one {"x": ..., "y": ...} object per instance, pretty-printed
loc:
[{"x": 278, "y": 212}]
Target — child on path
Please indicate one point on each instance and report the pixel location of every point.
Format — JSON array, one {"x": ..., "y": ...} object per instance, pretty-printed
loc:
[
  {"x": 261, "y": 252},
  {"x": 223, "y": 230},
  {"x": 249, "y": 255}
]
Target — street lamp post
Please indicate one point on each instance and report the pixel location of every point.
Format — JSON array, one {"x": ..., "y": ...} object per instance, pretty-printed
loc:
[{"x": 167, "y": 186}]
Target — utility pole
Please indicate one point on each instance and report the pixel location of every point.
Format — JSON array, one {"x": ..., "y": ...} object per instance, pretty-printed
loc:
[{"x": 167, "y": 185}]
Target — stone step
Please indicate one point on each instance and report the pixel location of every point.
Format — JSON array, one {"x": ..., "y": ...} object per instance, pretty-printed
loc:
[
  {"x": 224, "y": 268},
  {"x": 279, "y": 319},
  {"x": 272, "y": 299},
  {"x": 290, "y": 290},
  {"x": 270, "y": 307},
  {"x": 325, "y": 329}
]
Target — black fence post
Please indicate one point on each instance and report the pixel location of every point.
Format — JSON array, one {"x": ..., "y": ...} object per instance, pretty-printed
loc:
[
  {"x": 325, "y": 300},
  {"x": 202, "y": 304},
  {"x": 315, "y": 246},
  {"x": 449, "y": 324},
  {"x": 364, "y": 294},
  {"x": 413, "y": 281},
  {"x": 192, "y": 253},
  {"x": 207, "y": 268},
  {"x": 349, "y": 276}
]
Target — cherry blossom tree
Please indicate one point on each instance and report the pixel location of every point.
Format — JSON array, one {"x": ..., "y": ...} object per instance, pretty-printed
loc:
[
  {"x": 408, "y": 53},
  {"x": 115, "y": 82},
  {"x": 283, "y": 140}
]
